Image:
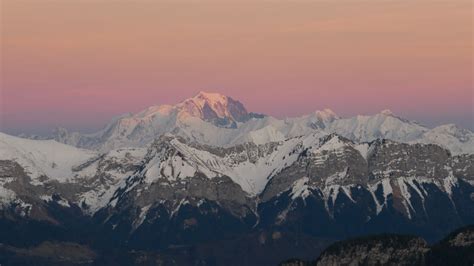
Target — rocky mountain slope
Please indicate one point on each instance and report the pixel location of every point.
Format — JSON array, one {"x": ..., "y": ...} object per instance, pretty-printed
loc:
[
  {"x": 177, "y": 193},
  {"x": 206, "y": 175}
]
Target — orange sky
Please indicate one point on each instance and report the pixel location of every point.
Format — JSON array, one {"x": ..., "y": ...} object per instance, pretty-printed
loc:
[{"x": 79, "y": 62}]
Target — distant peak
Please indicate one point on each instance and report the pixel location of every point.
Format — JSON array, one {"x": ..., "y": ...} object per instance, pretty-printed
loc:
[
  {"x": 448, "y": 126},
  {"x": 326, "y": 113},
  {"x": 387, "y": 112},
  {"x": 214, "y": 107},
  {"x": 211, "y": 96},
  {"x": 451, "y": 129}
]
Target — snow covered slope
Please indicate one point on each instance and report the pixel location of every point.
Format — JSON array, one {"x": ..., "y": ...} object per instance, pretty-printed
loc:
[
  {"x": 207, "y": 118},
  {"x": 217, "y": 120},
  {"x": 86, "y": 178},
  {"x": 248, "y": 165},
  {"x": 43, "y": 157},
  {"x": 271, "y": 184},
  {"x": 457, "y": 140},
  {"x": 384, "y": 125}
]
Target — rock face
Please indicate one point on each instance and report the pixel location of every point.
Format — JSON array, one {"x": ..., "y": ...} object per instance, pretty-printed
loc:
[
  {"x": 386, "y": 185},
  {"x": 177, "y": 193},
  {"x": 206, "y": 177}
]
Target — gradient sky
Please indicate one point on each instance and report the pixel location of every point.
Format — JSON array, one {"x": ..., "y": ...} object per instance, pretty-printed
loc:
[{"x": 77, "y": 63}]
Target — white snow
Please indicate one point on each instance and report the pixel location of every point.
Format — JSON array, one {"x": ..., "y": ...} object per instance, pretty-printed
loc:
[
  {"x": 449, "y": 183},
  {"x": 186, "y": 119},
  {"x": 46, "y": 198},
  {"x": 333, "y": 144},
  {"x": 6, "y": 195},
  {"x": 141, "y": 216},
  {"x": 178, "y": 207},
  {"x": 63, "y": 203},
  {"x": 405, "y": 184},
  {"x": 300, "y": 188},
  {"x": 43, "y": 157},
  {"x": 451, "y": 137},
  {"x": 406, "y": 196},
  {"x": 372, "y": 188},
  {"x": 100, "y": 195},
  {"x": 55, "y": 161},
  {"x": 251, "y": 176},
  {"x": 363, "y": 149},
  {"x": 383, "y": 125},
  {"x": 387, "y": 188}
]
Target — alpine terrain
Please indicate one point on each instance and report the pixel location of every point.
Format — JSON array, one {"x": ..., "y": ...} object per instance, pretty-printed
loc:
[{"x": 206, "y": 182}]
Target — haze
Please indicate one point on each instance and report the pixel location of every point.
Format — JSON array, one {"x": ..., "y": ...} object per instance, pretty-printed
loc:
[{"x": 79, "y": 63}]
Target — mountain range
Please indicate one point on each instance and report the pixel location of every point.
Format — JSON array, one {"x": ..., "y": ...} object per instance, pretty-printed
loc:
[
  {"x": 217, "y": 120},
  {"x": 206, "y": 174}
]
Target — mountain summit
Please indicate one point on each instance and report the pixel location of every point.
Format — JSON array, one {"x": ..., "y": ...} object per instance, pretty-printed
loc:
[
  {"x": 215, "y": 108},
  {"x": 205, "y": 170},
  {"x": 218, "y": 120},
  {"x": 200, "y": 118},
  {"x": 211, "y": 107}
]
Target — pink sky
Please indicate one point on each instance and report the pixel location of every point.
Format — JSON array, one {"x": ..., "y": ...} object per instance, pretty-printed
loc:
[{"x": 79, "y": 63}]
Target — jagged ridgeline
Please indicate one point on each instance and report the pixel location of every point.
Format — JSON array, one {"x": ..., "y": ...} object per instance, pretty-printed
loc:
[
  {"x": 205, "y": 180},
  {"x": 218, "y": 120}
]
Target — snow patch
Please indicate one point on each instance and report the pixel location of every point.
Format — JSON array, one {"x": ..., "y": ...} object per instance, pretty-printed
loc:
[
  {"x": 141, "y": 216},
  {"x": 300, "y": 189}
]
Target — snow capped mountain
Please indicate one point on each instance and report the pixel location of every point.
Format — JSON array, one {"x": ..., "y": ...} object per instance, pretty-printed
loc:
[
  {"x": 206, "y": 118},
  {"x": 248, "y": 165},
  {"x": 43, "y": 157},
  {"x": 209, "y": 155},
  {"x": 457, "y": 140},
  {"x": 176, "y": 192},
  {"x": 216, "y": 120},
  {"x": 215, "y": 108},
  {"x": 382, "y": 125},
  {"x": 336, "y": 161},
  {"x": 35, "y": 170}
]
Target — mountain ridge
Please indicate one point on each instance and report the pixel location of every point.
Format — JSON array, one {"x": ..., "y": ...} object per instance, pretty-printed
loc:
[
  {"x": 185, "y": 178},
  {"x": 218, "y": 120}
]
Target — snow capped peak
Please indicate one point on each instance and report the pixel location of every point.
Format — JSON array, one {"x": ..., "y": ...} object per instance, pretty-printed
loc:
[
  {"x": 457, "y": 140},
  {"x": 43, "y": 157},
  {"x": 218, "y": 120},
  {"x": 451, "y": 129},
  {"x": 153, "y": 110},
  {"x": 387, "y": 112},
  {"x": 326, "y": 114},
  {"x": 365, "y": 128},
  {"x": 211, "y": 97},
  {"x": 207, "y": 98},
  {"x": 213, "y": 107}
]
